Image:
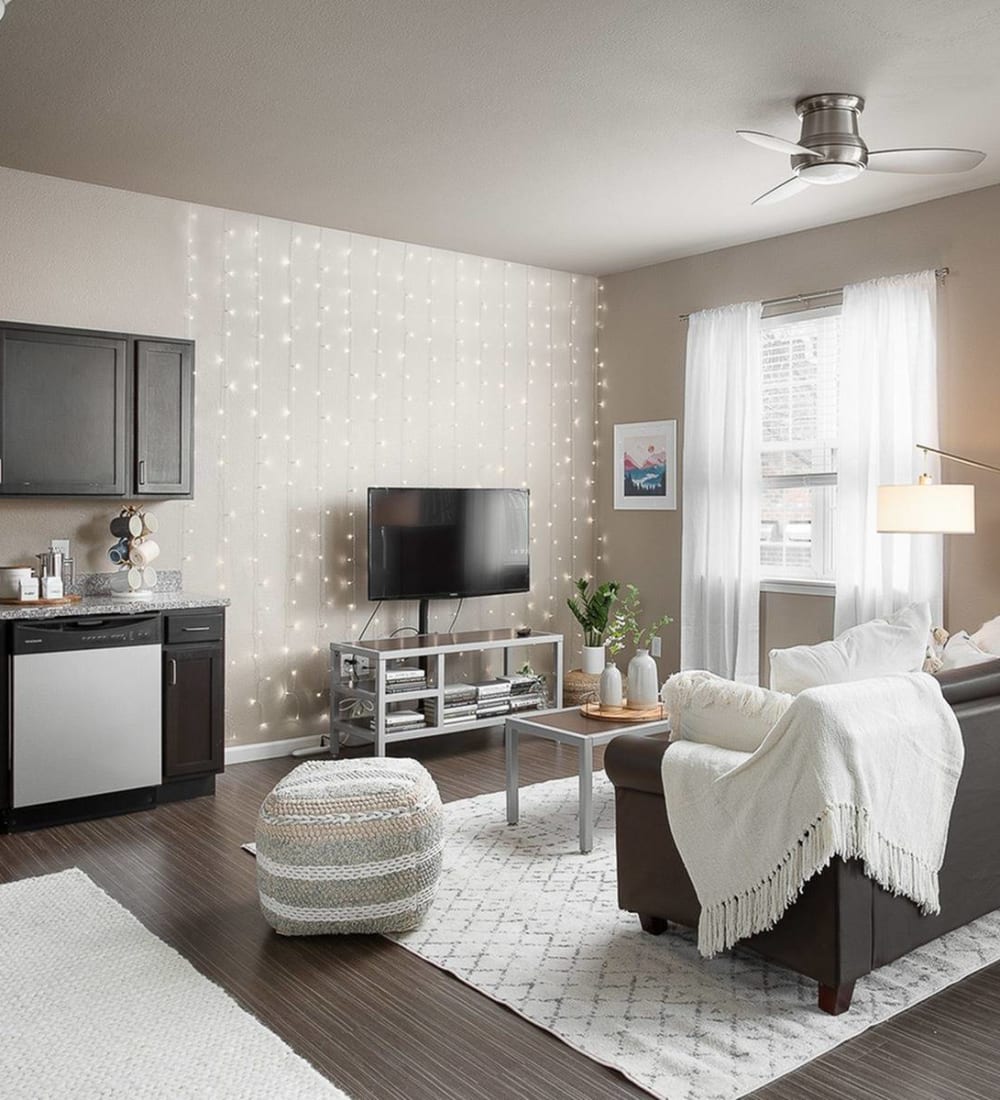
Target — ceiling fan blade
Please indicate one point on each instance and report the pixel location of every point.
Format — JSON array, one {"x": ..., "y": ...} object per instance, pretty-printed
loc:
[
  {"x": 924, "y": 160},
  {"x": 783, "y": 191},
  {"x": 777, "y": 144}
]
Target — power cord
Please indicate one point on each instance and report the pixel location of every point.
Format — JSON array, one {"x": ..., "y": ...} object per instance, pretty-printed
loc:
[{"x": 370, "y": 618}]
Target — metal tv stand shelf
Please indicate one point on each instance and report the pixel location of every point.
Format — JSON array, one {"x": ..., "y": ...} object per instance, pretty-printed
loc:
[{"x": 430, "y": 651}]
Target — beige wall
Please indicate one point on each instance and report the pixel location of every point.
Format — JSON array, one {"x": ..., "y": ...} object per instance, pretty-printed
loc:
[
  {"x": 642, "y": 345},
  {"x": 788, "y": 619},
  {"x": 326, "y": 362}
]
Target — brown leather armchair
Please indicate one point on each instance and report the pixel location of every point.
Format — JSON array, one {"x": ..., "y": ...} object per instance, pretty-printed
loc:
[{"x": 843, "y": 925}]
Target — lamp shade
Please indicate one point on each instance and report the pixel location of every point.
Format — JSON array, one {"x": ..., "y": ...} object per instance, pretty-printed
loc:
[{"x": 927, "y": 509}]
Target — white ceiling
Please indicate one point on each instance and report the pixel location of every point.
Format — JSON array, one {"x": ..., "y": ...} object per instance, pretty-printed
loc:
[{"x": 588, "y": 135}]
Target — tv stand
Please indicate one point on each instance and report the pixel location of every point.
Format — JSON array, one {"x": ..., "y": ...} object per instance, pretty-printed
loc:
[{"x": 373, "y": 700}]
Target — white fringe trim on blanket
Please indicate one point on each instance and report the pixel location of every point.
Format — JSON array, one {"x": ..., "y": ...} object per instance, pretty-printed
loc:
[{"x": 841, "y": 830}]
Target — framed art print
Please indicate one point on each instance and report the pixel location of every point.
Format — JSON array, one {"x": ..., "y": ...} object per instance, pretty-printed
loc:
[{"x": 645, "y": 465}]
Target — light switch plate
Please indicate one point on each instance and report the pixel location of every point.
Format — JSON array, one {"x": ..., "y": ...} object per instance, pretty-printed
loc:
[
  {"x": 61, "y": 546},
  {"x": 655, "y": 646}
]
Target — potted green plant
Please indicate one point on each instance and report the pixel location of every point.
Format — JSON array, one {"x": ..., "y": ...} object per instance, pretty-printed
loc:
[
  {"x": 643, "y": 689},
  {"x": 592, "y": 608}
]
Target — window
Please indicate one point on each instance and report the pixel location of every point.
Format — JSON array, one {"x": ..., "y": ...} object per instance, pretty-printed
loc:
[{"x": 800, "y": 354}]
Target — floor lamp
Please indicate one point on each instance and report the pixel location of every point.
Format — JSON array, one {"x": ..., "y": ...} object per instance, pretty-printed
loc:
[{"x": 926, "y": 508}]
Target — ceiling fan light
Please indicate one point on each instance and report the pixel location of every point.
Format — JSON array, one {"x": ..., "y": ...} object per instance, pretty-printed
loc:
[{"x": 829, "y": 172}]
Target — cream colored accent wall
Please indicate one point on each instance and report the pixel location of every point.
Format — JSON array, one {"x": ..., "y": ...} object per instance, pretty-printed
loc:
[
  {"x": 326, "y": 362},
  {"x": 642, "y": 348}
]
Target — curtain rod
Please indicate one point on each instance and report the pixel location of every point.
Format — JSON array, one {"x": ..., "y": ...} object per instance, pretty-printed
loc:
[{"x": 940, "y": 272}]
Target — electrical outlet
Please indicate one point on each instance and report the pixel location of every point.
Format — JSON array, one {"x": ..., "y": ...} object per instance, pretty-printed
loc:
[
  {"x": 655, "y": 646},
  {"x": 357, "y": 667}
]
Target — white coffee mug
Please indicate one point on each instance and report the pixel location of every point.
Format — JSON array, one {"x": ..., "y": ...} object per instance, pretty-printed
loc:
[
  {"x": 144, "y": 553},
  {"x": 126, "y": 580}
]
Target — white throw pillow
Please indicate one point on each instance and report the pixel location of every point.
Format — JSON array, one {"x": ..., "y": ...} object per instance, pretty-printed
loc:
[
  {"x": 714, "y": 711},
  {"x": 882, "y": 647},
  {"x": 962, "y": 651},
  {"x": 987, "y": 637}
]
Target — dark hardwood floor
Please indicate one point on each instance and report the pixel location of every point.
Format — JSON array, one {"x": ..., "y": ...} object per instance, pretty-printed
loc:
[{"x": 383, "y": 1024}]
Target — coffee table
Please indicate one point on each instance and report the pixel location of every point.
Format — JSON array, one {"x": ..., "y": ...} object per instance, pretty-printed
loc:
[{"x": 569, "y": 727}]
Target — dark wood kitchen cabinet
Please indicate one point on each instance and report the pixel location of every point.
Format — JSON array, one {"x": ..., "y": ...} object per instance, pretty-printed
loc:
[
  {"x": 87, "y": 413},
  {"x": 63, "y": 413},
  {"x": 193, "y": 695},
  {"x": 164, "y": 415}
]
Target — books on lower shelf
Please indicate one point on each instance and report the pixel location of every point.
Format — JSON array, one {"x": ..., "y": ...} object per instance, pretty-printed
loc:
[{"x": 398, "y": 720}]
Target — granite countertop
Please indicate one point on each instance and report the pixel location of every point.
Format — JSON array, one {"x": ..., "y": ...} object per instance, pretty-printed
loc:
[{"x": 107, "y": 605}]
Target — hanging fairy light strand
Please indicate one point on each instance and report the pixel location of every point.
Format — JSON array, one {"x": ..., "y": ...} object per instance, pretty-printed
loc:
[{"x": 288, "y": 532}]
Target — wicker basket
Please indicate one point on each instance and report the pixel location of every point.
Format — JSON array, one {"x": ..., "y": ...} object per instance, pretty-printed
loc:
[{"x": 579, "y": 687}]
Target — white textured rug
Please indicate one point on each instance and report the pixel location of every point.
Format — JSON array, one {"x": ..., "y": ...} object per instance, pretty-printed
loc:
[
  {"x": 92, "y": 1004},
  {"x": 526, "y": 919}
]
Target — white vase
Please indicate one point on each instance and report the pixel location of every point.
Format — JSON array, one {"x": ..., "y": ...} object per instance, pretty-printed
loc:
[
  {"x": 610, "y": 690},
  {"x": 642, "y": 677},
  {"x": 593, "y": 659}
]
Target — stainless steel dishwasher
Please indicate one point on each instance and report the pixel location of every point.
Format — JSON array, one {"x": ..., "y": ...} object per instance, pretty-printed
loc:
[{"x": 86, "y": 707}]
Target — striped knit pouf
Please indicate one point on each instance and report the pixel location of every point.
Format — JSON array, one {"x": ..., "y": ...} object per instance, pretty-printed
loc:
[{"x": 349, "y": 846}]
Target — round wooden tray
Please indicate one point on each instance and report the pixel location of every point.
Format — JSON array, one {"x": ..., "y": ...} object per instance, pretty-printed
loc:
[
  {"x": 655, "y": 713},
  {"x": 41, "y": 603}
]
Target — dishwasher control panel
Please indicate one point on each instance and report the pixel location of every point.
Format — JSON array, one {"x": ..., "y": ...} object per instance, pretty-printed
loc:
[{"x": 62, "y": 635}]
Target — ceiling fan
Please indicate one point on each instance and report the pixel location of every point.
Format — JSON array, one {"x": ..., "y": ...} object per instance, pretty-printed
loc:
[{"x": 830, "y": 149}]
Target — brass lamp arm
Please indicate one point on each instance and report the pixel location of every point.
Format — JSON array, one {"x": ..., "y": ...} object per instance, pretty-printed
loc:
[{"x": 959, "y": 458}]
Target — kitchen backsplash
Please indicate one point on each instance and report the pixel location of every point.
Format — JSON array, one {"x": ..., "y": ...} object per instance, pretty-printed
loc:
[{"x": 99, "y": 584}]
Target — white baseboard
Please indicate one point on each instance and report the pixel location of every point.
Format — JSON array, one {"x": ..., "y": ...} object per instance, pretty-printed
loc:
[{"x": 268, "y": 750}]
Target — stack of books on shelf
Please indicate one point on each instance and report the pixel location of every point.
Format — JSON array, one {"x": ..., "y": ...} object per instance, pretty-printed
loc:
[
  {"x": 527, "y": 691},
  {"x": 459, "y": 705},
  {"x": 398, "y": 720},
  {"x": 492, "y": 698},
  {"x": 405, "y": 679}
]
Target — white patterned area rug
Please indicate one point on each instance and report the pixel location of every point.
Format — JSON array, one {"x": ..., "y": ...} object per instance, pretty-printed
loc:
[
  {"x": 526, "y": 919},
  {"x": 92, "y": 1004}
]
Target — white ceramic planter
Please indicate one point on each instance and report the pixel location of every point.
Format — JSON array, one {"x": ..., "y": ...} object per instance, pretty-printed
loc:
[
  {"x": 643, "y": 690},
  {"x": 611, "y": 692},
  {"x": 593, "y": 659}
]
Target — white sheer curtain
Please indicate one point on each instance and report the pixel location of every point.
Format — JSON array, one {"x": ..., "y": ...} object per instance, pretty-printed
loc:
[
  {"x": 887, "y": 404},
  {"x": 720, "y": 561}
]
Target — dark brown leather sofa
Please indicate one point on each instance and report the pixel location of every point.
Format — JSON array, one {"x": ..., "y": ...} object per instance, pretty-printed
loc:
[{"x": 843, "y": 925}]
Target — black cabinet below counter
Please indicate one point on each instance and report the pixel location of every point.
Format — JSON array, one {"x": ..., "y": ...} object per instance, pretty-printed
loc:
[
  {"x": 193, "y": 696},
  {"x": 85, "y": 413},
  {"x": 189, "y": 669}
]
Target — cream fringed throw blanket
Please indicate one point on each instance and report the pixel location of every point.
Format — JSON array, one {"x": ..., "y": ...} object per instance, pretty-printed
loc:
[{"x": 863, "y": 770}]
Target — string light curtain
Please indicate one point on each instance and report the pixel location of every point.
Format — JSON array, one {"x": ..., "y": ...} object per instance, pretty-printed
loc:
[{"x": 329, "y": 362}]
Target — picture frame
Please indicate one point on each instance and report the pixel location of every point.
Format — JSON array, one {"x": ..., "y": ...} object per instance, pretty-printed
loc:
[{"x": 645, "y": 466}]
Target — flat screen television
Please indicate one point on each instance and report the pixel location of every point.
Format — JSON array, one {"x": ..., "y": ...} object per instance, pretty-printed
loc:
[{"x": 439, "y": 543}]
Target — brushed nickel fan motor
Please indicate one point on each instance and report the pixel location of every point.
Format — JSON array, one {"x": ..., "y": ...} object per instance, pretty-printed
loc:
[
  {"x": 830, "y": 148},
  {"x": 830, "y": 131}
]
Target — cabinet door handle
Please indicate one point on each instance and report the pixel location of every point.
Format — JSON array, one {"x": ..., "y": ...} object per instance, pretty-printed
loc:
[
  {"x": 173, "y": 673},
  {"x": 142, "y": 471},
  {"x": 194, "y": 629}
]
